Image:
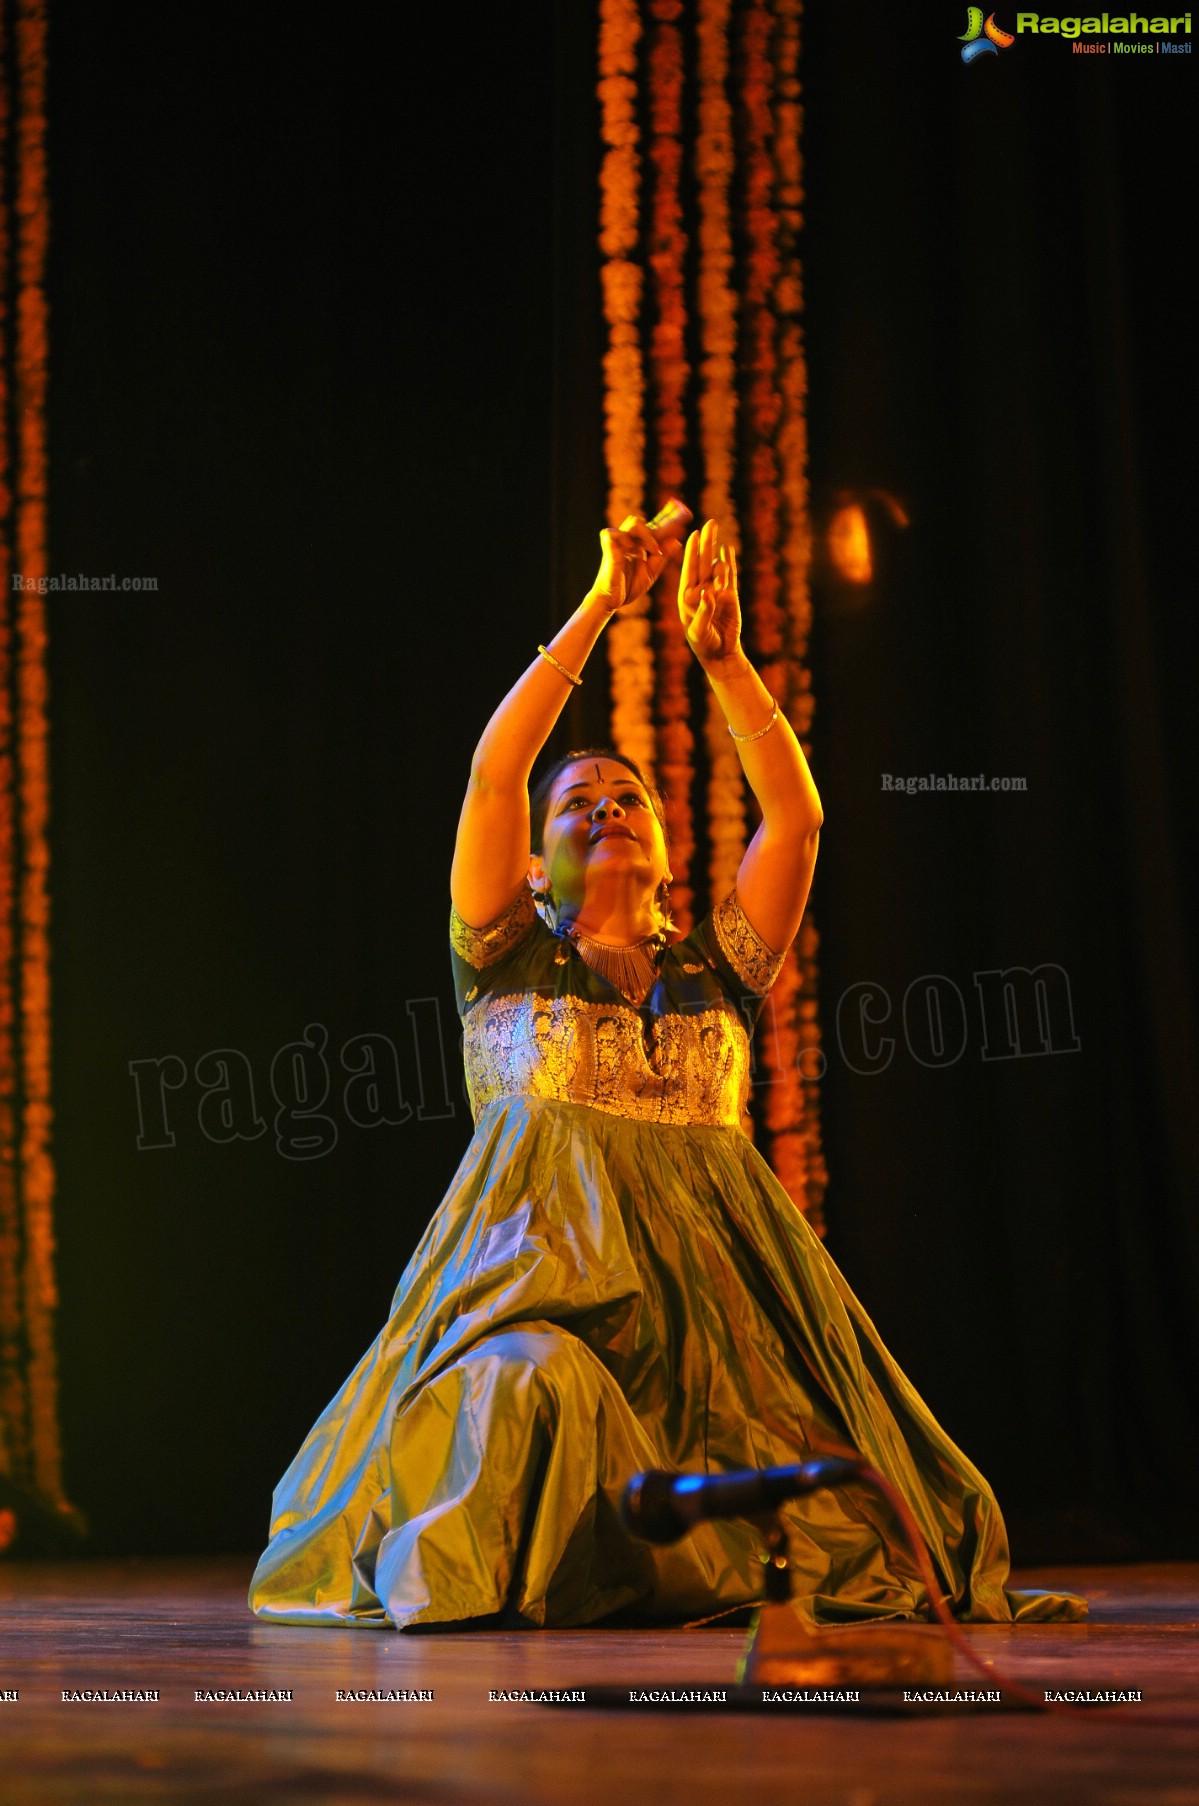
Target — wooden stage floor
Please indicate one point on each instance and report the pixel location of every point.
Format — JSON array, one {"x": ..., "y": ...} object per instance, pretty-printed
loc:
[{"x": 180, "y": 1628}]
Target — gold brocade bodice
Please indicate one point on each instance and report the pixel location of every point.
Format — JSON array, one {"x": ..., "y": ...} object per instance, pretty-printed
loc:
[
  {"x": 538, "y": 1022},
  {"x": 679, "y": 1069}
]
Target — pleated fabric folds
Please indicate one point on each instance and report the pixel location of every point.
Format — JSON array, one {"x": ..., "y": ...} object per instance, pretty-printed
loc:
[{"x": 597, "y": 1296}]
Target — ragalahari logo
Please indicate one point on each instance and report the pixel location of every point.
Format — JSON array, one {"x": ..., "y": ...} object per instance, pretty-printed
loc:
[{"x": 982, "y": 39}]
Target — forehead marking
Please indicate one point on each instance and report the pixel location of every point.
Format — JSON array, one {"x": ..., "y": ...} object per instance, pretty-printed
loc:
[{"x": 623, "y": 776}]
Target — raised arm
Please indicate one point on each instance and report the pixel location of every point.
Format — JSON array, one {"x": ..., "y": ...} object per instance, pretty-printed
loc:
[
  {"x": 775, "y": 874},
  {"x": 491, "y": 853}
]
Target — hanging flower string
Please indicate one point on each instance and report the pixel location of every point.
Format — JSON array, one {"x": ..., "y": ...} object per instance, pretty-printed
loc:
[
  {"x": 794, "y": 1114},
  {"x": 670, "y": 372},
  {"x": 29, "y": 1451},
  {"x": 630, "y": 648},
  {"x": 778, "y": 1041},
  {"x": 14, "y": 1453},
  {"x": 749, "y": 427},
  {"x": 718, "y": 401},
  {"x": 760, "y": 364},
  {"x": 39, "y": 1295}
]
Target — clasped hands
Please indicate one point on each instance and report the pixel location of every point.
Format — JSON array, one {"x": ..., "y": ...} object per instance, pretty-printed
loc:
[{"x": 709, "y": 606}]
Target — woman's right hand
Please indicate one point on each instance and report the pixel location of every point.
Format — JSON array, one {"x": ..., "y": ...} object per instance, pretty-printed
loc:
[{"x": 631, "y": 564}]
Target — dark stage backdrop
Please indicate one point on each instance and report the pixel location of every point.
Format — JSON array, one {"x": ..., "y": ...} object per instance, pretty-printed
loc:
[{"x": 325, "y": 358}]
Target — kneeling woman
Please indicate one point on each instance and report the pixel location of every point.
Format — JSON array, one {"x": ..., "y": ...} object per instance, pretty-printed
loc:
[{"x": 616, "y": 1280}]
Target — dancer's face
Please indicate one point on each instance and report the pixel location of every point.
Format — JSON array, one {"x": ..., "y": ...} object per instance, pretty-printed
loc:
[{"x": 600, "y": 822}]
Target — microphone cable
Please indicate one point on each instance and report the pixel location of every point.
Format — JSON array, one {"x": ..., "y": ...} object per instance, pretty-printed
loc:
[{"x": 855, "y": 1468}]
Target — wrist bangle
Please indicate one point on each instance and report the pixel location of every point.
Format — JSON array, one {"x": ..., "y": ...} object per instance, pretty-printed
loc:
[
  {"x": 558, "y": 666},
  {"x": 774, "y": 715}
]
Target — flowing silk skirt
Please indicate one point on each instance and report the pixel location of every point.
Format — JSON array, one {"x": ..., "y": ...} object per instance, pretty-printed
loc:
[{"x": 597, "y": 1296}]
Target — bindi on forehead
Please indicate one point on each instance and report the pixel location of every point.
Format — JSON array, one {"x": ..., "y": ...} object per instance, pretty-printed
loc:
[{"x": 620, "y": 776}]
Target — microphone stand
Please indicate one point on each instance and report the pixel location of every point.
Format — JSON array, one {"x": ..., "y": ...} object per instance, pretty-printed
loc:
[{"x": 783, "y": 1651}]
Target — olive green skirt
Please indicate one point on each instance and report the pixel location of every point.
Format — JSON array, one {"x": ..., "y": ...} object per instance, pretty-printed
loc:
[{"x": 594, "y": 1297}]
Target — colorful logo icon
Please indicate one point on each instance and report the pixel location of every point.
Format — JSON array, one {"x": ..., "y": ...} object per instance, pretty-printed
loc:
[{"x": 982, "y": 39}]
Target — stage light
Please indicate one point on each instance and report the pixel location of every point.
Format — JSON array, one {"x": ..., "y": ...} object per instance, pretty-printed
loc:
[
  {"x": 849, "y": 543},
  {"x": 859, "y": 528}
]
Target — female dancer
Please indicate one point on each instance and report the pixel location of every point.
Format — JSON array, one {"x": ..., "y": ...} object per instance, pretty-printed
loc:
[{"x": 615, "y": 1280}]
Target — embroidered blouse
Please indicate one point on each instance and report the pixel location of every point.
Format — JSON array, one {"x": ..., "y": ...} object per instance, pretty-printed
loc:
[{"x": 537, "y": 1021}]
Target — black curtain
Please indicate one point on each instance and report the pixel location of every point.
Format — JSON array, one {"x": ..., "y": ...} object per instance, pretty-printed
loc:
[
  {"x": 302, "y": 303},
  {"x": 996, "y": 325},
  {"x": 325, "y": 364}
]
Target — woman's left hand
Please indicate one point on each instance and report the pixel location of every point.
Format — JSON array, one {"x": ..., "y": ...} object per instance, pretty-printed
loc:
[{"x": 709, "y": 607}]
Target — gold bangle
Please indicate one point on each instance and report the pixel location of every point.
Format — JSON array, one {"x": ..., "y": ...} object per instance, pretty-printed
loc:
[
  {"x": 774, "y": 715},
  {"x": 551, "y": 660}
]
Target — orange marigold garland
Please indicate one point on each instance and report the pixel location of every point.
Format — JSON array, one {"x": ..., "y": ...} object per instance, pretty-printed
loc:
[
  {"x": 717, "y": 308},
  {"x": 797, "y": 1149},
  {"x": 630, "y": 649},
  {"x": 669, "y": 369},
  {"x": 778, "y": 1045},
  {"x": 760, "y": 364},
  {"x": 38, "y": 1292},
  {"x": 13, "y": 1402},
  {"x": 753, "y": 310},
  {"x": 793, "y": 375}
]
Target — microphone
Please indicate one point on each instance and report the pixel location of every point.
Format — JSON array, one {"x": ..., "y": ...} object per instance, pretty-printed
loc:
[{"x": 660, "y": 1507}]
